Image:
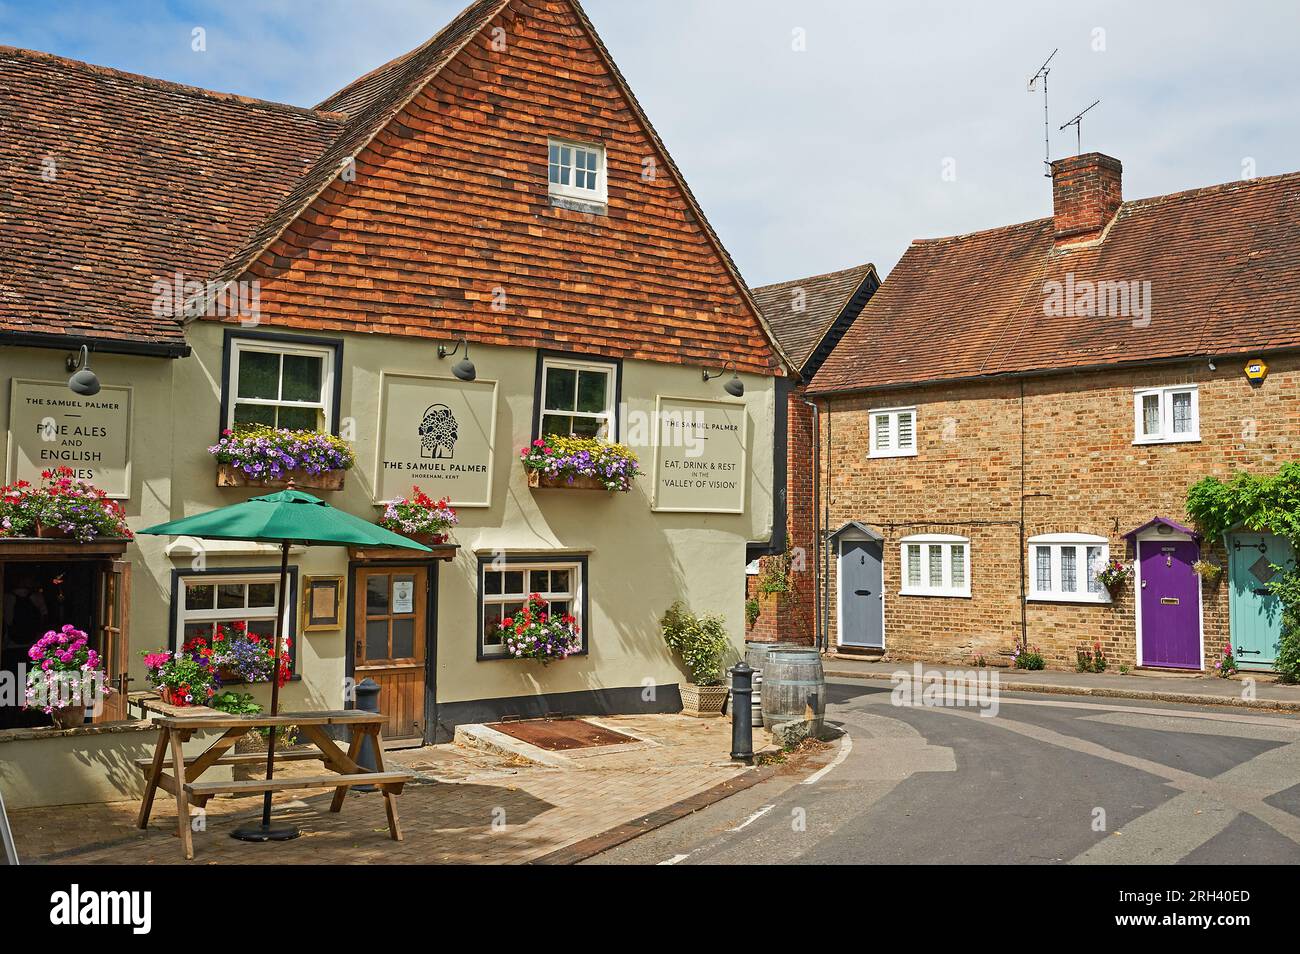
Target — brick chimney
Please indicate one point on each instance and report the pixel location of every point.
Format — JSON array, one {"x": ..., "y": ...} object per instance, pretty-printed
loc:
[{"x": 1085, "y": 196}]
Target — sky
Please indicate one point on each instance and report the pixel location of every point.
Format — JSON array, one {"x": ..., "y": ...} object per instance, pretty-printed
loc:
[{"x": 816, "y": 134}]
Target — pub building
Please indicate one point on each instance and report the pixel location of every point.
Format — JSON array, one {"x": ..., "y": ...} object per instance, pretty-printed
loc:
[{"x": 477, "y": 245}]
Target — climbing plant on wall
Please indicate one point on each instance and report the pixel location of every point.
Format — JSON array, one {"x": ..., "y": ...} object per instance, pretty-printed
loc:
[{"x": 1263, "y": 504}]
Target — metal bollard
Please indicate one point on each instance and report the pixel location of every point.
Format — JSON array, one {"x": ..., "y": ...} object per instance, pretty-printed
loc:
[
  {"x": 742, "y": 729},
  {"x": 367, "y": 695}
]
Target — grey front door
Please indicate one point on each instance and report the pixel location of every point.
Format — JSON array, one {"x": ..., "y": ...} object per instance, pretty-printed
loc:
[{"x": 862, "y": 621}]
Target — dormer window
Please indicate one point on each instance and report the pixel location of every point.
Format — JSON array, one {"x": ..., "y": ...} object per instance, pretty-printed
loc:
[{"x": 576, "y": 171}]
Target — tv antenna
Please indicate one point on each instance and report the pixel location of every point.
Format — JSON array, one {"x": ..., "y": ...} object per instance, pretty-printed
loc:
[
  {"x": 1033, "y": 81},
  {"x": 1077, "y": 123}
]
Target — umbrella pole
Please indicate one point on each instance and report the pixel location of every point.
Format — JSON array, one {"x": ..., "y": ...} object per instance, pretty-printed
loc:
[{"x": 264, "y": 831}]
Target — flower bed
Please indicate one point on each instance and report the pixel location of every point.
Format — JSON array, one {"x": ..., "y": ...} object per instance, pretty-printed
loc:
[
  {"x": 61, "y": 506},
  {"x": 271, "y": 457},
  {"x": 420, "y": 517},
  {"x": 579, "y": 463},
  {"x": 533, "y": 633},
  {"x": 68, "y": 676}
]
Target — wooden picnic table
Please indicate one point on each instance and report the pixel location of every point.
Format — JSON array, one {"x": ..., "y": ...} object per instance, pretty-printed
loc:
[{"x": 175, "y": 730}]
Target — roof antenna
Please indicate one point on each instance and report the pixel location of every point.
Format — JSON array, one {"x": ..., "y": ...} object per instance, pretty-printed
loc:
[
  {"x": 1033, "y": 81},
  {"x": 1077, "y": 123}
]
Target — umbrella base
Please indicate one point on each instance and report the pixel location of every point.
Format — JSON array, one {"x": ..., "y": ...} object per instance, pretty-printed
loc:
[{"x": 266, "y": 833}]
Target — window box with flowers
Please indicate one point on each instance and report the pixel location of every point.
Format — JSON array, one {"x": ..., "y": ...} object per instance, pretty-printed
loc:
[
  {"x": 579, "y": 463},
  {"x": 60, "y": 507},
  {"x": 535, "y": 632},
  {"x": 261, "y": 456},
  {"x": 420, "y": 518}
]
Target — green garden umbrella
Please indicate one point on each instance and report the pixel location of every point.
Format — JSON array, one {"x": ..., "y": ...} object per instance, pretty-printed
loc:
[{"x": 288, "y": 517}]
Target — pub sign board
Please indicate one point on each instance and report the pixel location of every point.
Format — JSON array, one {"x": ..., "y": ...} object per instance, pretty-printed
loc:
[
  {"x": 701, "y": 455},
  {"x": 438, "y": 434},
  {"x": 49, "y": 427}
]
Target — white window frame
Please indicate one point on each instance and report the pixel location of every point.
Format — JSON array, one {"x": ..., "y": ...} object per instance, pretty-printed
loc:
[
  {"x": 327, "y": 354},
  {"x": 1166, "y": 434},
  {"x": 611, "y": 385},
  {"x": 945, "y": 542},
  {"x": 892, "y": 449},
  {"x": 216, "y": 615},
  {"x": 599, "y": 194},
  {"x": 574, "y": 596},
  {"x": 1057, "y": 542}
]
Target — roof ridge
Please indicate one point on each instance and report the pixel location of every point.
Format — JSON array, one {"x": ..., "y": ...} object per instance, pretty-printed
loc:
[
  {"x": 166, "y": 84},
  {"x": 865, "y": 266},
  {"x": 1210, "y": 189}
]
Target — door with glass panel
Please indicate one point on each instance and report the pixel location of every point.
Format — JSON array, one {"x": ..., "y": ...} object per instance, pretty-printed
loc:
[{"x": 389, "y": 643}]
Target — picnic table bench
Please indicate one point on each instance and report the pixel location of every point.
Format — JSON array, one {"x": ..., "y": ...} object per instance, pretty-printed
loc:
[{"x": 183, "y": 781}]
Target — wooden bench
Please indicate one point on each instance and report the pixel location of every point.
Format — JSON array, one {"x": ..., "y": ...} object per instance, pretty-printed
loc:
[{"x": 182, "y": 782}]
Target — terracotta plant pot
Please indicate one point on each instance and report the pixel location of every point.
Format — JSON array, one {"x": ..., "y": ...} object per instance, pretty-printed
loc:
[
  {"x": 172, "y": 698},
  {"x": 428, "y": 539},
  {"x": 228, "y": 475},
  {"x": 537, "y": 479},
  {"x": 703, "y": 702},
  {"x": 69, "y": 717},
  {"x": 52, "y": 533}
]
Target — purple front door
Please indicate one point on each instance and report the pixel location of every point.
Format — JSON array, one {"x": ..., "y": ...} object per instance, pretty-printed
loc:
[{"x": 1171, "y": 604}]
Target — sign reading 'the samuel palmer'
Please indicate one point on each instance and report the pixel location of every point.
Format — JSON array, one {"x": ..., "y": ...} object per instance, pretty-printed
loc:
[
  {"x": 436, "y": 434},
  {"x": 700, "y": 456},
  {"x": 49, "y": 427}
]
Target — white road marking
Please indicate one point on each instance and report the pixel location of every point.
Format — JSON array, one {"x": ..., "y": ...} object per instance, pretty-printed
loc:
[
  {"x": 753, "y": 818},
  {"x": 846, "y": 746},
  {"x": 674, "y": 859}
]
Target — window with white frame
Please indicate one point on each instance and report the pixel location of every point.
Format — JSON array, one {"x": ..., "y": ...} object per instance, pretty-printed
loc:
[
  {"x": 280, "y": 384},
  {"x": 1064, "y": 567},
  {"x": 503, "y": 590},
  {"x": 1166, "y": 415},
  {"x": 935, "y": 565},
  {"x": 577, "y": 398},
  {"x": 893, "y": 432},
  {"x": 576, "y": 170},
  {"x": 205, "y": 599}
]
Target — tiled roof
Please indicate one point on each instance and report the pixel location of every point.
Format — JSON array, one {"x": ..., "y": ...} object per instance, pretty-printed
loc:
[
  {"x": 1223, "y": 265},
  {"x": 112, "y": 181},
  {"x": 800, "y": 312}
]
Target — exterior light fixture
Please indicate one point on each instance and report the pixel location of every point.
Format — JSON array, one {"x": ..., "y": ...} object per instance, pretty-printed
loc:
[
  {"x": 83, "y": 381},
  {"x": 735, "y": 387},
  {"x": 464, "y": 368}
]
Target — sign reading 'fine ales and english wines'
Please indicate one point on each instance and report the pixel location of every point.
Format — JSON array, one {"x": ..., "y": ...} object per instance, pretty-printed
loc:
[
  {"x": 436, "y": 434},
  {"x": 50, "y": 427},
  {"x": 700, "y": 456}
]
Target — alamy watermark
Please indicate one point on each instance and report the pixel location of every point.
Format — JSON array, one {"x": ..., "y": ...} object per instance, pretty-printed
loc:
[
  {"x": 952, "y": 689},
  {"x": 1084, "y": 298}
]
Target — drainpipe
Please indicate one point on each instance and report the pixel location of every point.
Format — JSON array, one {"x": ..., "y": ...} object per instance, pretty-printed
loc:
[
  {"x": 818, "y": 620},
  {"x": 1024, "y": 568}
]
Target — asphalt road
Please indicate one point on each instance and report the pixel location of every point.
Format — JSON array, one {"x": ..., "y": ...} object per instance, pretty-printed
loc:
[{"x": 1047, "y": 780}]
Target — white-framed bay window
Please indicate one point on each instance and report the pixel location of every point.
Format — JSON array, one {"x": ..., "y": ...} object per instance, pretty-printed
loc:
[
  {"x": 505, "y": 585},
  {"x": 935, "y": 564},
  {"x": 577, "y": 398},
  {"x": 204, "y": 599},
  {"x": 576, "y": 170},
  {"x": 280, "y": 382},
  {"x": 892, "y": 432},
  {"x": 1167, "y": 415},
  {"x": 1063, "y": 567}
]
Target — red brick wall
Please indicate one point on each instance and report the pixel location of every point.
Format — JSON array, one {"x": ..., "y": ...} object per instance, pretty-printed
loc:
[
  {"x": 1086, "y": 194},
  {"x": 449, "y": 211},
  {"x": 1082, "y": 473}
]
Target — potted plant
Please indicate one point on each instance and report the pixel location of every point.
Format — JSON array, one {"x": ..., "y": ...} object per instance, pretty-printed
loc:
[
  {"x": 1226, "y": 665},
  {"x": 700, "y": 642},
  {"x": 60, "y": 506},
  {"x": 261, "y": 456},
  {"x": 68, "y": 676},
  {"x": 579, "y": 463},
  {"x": 420, "y": 517},
  {"x": 1113, "y": 575},
  {"x": 241, "y": 656},
  {"x": 533, "y": 632},
  {"x": 183, "y": 678}
]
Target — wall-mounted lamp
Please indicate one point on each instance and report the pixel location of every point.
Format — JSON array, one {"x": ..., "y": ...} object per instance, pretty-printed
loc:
[
  {"x": 735, "y": 387},
  {"x": 464, "y": 368},
  {"x": 83, "y": 381}
]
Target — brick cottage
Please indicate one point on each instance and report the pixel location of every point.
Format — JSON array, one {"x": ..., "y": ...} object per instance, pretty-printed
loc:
[{"x": 1016, "y": 407}]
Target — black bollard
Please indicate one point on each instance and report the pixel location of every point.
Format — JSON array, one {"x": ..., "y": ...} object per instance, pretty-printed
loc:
[
  {"x": 742, "y": 716},
  {"x": 367, "y": 693}
]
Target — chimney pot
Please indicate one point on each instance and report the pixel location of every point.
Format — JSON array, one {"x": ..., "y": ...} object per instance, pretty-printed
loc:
[{"x": 1085, "y": 196}]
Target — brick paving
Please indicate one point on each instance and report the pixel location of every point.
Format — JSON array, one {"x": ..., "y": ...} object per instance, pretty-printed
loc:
[{"x": 465, "y": 806}]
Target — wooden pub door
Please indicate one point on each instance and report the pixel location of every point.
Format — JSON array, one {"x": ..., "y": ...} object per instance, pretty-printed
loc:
[{"x": 389, "y": 632}]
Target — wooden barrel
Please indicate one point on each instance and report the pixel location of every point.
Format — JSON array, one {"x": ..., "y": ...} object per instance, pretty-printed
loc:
[
  {"x": 756, "y": 657},
  {"x": 794, "y": 687}
]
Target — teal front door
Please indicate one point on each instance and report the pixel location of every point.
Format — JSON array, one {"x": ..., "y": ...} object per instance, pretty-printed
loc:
[{"x": 1255, "y": 614}]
